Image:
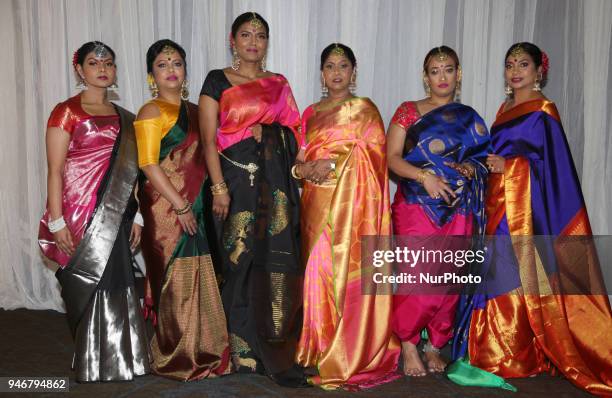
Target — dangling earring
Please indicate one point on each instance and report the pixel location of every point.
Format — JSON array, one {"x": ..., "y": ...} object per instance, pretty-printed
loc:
[
  {"x": 235, "y": 59},
  {"x": 324, "y": 90},
  {"x": 81, "y": 85},
  {"x": 185, "y": 90},
  {"x": 353, "y": 82},
  {"x": 508, "y": 90},
  {"x": 152, "y": 86},
  {"x": 263, "y": 64},
  {"x": 536, "y": 85},
  {"x": 458, "y": 85},
  {"x": 113, "y": 87}
]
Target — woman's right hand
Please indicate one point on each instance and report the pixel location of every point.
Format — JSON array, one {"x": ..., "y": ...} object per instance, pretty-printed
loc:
[
  {"x": 63, "y": 241},
  {"x": 437, "y": 187},
  {"x": 220, "y": 205},
  {"x": 188, "y": 222}
]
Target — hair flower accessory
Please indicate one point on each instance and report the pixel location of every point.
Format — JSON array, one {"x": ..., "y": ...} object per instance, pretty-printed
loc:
[
  {"x": 75, "y": 59},
  {"x": 544, "y": 63}
]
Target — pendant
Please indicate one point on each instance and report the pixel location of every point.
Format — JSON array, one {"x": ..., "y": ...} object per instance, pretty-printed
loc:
[{"x": 252, "y": 178}]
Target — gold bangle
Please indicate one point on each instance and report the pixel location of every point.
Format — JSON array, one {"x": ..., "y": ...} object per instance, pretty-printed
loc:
[
  {"x": 294, "y": 172},
  {"x": 422, "y": 174},
  {"x": 184, "y": 210},
  {"x": 219, "y": 189}
]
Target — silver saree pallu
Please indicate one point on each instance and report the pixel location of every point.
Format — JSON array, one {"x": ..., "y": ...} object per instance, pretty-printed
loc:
[{"x": 103, "y": 307}]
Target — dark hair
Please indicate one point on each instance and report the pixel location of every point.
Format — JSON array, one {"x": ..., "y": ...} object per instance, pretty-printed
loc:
[
  {"x": 248, "y": 17},
  {"x": 440, "y": 50},
  {"x": 534, "y": 51},
  {"x": 81, "y": 53},
  {"x": 346, "y": 49},
  {"x": 157, "y": 48}
]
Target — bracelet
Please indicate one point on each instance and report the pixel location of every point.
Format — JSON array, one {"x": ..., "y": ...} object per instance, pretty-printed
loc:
[
  {"x": 219, "y": 189},
  {"x": 294, "y": 172},
  {"x": 183, "y": 210},
  {"x": 138, "y": 220},
  {"x": 422, "y": 174},
  {"x": 56, "y": 225}
]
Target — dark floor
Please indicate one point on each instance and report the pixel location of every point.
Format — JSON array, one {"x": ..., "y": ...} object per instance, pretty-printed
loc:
[{"x": 38, "y": 343}]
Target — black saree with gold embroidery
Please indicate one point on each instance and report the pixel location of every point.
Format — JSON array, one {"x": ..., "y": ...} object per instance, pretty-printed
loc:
[{"x": 257, "y": 247}]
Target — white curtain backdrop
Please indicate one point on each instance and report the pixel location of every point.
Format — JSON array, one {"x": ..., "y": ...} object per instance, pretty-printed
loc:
[{"x": 389, "y": 37}]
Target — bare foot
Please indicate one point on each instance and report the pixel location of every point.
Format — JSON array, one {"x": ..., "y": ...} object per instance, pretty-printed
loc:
[
  {"x": 413, "y": 366},
  {"x": 435, "y": 363}
]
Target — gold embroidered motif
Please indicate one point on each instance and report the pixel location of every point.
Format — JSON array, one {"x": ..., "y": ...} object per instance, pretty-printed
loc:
[
  {"x": 280, "y": 218},
  {"x": 480, "y": 129},
  {"x": 436, "y": 146},
  {"x": 238, "y": 228}
]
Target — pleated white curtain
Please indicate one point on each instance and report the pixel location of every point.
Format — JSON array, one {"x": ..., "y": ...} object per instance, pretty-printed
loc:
[{"x": 389, "y": 37}]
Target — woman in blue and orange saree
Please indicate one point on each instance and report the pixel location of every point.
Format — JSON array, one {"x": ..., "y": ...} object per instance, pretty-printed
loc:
[
  {"x": 250, "y": 127},
  {"x": 541, "y": 306},
  {"x": 89, "y": 228},
  {"x": 438, "y": 148},
  {"x": 181, "y": 295}
]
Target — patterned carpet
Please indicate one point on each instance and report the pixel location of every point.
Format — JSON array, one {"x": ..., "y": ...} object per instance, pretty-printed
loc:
[{"x": 38, "y": 343}]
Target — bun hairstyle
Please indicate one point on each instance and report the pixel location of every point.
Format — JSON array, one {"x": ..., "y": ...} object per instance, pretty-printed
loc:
[
  {"x": 158, "y": 47},
  {"x": 249, "y": 17},
  {"x": 338, "y": 48}
]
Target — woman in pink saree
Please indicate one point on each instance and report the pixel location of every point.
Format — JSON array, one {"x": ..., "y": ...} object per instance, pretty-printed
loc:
[
  {"x": 346, "y": 337},
  {"x": 88, "y": 229}
]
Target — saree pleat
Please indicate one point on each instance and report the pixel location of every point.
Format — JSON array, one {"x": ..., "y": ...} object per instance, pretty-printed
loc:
[
  {"x": 346, "y": 333},
  {"x": 190, "y": 340},
  {"x": 539, "y": 325}
]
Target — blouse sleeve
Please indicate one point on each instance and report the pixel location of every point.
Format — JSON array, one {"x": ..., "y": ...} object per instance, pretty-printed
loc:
[
  {"x": 405, "y": 115},
  {"x": 63, "y": 117},
  {"x": 214, "y": 84},
  {"x": 148, "y": 139}
]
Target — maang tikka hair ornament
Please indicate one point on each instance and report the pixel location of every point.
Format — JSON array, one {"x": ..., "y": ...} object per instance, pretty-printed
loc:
[{"x": 255, "y": 22}]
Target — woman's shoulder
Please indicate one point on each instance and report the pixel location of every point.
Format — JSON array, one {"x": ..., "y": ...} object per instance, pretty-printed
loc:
[
  {"x": 150, "y": 110},
  {"x": 67, "y": 113}
]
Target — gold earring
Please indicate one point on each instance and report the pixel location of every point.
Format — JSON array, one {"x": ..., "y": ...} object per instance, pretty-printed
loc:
[
  {"x": 235, "y": 59},
  {"x": 263, "y": 64},
  {"x": 508, "y": 90},
  {"x": 152, "y": 86},
  {"x": 458, "y": 84},
  {"x": 185, "y": 90},
  {"x": 536, "y": 85},
  {"x": 353, "y": 82},
  {"x": 324, "y": 90}
]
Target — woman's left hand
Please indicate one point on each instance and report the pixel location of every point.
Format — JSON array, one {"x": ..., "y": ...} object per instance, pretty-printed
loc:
[
  {"x": 256, "y": 131},
  {"x": 320, "y": 170},
  {"x": 496, "y": 163},
  {"x": 135, "y": 234}
]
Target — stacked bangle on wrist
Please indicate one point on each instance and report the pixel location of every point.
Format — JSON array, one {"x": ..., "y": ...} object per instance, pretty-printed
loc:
[
  {"x": 184, "y": 210},
  {"x": 422, "y": 174},
  {"x": 219, "y": 189},
  {"x": 56, "y": 225},
  {"x": 138, "y": 219},
  {"x": 294, "y": 173}
]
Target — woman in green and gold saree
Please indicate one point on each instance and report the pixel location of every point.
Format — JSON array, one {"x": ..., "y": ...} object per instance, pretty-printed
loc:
[{"x": 181, "y": 294}]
